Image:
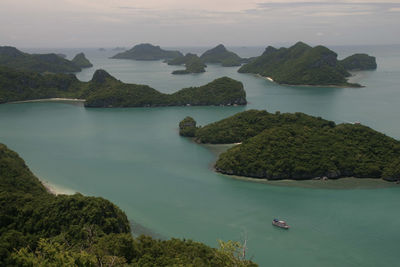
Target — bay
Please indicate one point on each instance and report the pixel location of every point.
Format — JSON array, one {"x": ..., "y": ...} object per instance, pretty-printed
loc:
[{"x": 135, "y": 158}]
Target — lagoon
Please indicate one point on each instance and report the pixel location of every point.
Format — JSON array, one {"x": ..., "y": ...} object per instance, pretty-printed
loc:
[{"x": 165, "y": 183}]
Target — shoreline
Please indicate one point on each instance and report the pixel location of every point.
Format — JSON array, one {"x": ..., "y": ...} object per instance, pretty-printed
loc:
[
  {"x": 56, "y": 190},
  {"x": 307, "y": 85},
  {"x": 339, "y": 183},
  {"x": 54, "y": 99}
]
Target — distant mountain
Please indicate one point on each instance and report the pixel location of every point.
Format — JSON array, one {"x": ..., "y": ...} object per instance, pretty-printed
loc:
[
  {"x": 359, "y": 62},
  {"x": 300, "y": 64},
  {"x": 220, "y": 54},
  {"x": 14, "y": 58},
  {"x": 81, "y": 61},
  {"x": 147, "y": 52}
]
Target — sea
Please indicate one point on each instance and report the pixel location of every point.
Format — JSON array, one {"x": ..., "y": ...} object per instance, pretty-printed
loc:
[{"x": 166, "y": 184}]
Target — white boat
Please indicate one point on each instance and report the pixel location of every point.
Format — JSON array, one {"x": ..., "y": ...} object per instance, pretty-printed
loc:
[{"x": 280, "y": 223}]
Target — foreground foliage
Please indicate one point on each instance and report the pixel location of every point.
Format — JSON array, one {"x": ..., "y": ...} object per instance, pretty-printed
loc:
[
  {"x": 298, "y": 146},
  {"x": 41, "y": 229}
]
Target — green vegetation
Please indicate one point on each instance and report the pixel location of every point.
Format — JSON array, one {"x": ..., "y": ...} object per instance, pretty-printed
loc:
[
  {"x": 193, "y": 64},
  {"x": 81, "y": 61},
  {"x": 41, "y": 229},
  {"x": 187, "y": 127},
  {"x": 113, "y": 93},
  {"x": 106, "y": 91},
  {"x": 182, "y": 59},
  {"x": 299, "y": 146},
  {"x": 220, "y": 54},
  {"x": 244, "y": 125},
  {"x": 147, "y": 52},
  {"x": 13, "y": 58},
  {"x": 300, "y": 64},
  {"x": 359, "y": 62}
]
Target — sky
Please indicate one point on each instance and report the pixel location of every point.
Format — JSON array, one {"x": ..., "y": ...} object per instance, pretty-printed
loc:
[{"x": 111, "y": 23}]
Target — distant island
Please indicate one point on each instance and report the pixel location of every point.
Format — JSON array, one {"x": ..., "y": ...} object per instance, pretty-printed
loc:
[
  {"x": 220, "y": 54},
  {"x": 192, "y": 63},
  {"x": 80, "y": 60},
  {"x": 39, "y": 228},
  {"x": 147, "y": 52},
  {"x": 298, "y": 146},
  {"x": 106, "y": 91},
  {"x": 54, "y": 63},
  {"x": 302, "y": 64}
]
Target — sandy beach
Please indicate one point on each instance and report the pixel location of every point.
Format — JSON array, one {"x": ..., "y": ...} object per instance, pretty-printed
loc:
[
  {"x": 56, "y": 190},
  {"x": 50, "y": 100}
]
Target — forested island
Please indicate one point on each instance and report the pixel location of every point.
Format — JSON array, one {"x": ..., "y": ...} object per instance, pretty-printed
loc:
[
  {"x": 147, "y": 52},
  {"x": 298, "y": 146},
  {"x": 81, "y": 61},
  {"x": 106, "y": 91},
  {"x": 220, "y": 54},
  {"x": 302, "y": 64},
  {"x": 38, "y": 228},
  {"x": 13, "y": 58},
  {"x": 193, "y": 64}
]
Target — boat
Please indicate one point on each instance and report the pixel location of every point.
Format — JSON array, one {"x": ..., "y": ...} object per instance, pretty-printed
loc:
[{"x": 280, "y": 223}]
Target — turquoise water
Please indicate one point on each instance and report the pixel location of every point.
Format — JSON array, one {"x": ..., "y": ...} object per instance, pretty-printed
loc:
[{"x": 135, "y": 158}]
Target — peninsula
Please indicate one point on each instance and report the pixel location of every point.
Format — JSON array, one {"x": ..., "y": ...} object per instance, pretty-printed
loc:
[
  {"x": 298, "y": 146},
  {"x": 106, "y": 91},
  {"x": 38, "y": 228},
  {"x": 302, "y": 64},
  {"x": 147, "y": 52},
  {"x": 54, "y": 63}
]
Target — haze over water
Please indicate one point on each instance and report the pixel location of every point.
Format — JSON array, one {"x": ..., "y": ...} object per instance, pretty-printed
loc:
[{"x": 135, "y": 158}]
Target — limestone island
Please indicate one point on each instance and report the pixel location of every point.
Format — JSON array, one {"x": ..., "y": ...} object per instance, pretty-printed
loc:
[
  {"x": 39, "y": 228},
  {"x": 80, "y": 60},
  {"x": 297, "y": 146},
  {"x": 193, "y": 64},
  {"x": 106, "y": 91},
  {"x": 221, "y": 55},
  {"x": 54, "y": 63},
  {"x": 147, "y": 52},
  {"x": 302, "y": 64}
]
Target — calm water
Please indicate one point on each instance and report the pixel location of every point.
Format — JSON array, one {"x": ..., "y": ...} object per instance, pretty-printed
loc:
[{"x": 135, "y": 158}]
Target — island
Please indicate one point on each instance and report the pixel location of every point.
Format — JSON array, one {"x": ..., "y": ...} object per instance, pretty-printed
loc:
[
  {"x": 302, "y": 64},
  {"x": 39, "y": 228},
  {"x": 359, "y": 62},
  {"x": 103, "y": 90},
  {"x": 298, "y": 146},
  {"x": 192, "y": 63},
  {"x": 13, "y": 58},
  {"x": 81, "y": 61},
  {"x": 220, "y": 54},
  {"x": 147, "y": 52}
]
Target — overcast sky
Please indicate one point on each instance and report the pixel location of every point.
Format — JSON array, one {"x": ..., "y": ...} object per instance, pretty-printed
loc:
[{"x": 109, "y": 23}]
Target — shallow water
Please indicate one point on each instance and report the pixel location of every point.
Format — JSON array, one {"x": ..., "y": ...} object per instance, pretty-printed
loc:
[{"x": 135, "y": 158}]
